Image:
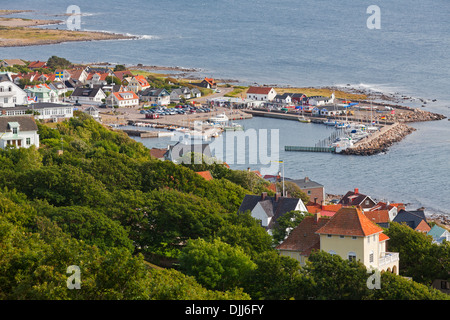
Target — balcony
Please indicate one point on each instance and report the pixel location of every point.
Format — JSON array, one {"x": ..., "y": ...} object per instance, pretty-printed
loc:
[{"x": 388, "y": 258}]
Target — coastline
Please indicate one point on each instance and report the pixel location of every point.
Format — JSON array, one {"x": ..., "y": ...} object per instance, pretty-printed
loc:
[{"x": 18, "y": 32}]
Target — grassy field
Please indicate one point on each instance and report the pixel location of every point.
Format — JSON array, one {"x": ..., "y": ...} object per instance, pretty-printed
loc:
[{"x": 240, "y": 92}]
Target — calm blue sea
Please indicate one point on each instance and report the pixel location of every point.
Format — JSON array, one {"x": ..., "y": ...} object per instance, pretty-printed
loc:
[{"x": 288, "y": 42}]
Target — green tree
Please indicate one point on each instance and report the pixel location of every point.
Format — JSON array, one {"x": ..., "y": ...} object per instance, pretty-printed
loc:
[
  {"x": 216, "y": 265},
  {"x": 286, "y": 223}
]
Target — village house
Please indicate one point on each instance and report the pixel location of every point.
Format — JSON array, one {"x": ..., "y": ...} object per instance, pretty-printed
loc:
[
  {"x": 261, "y": 93},
  {"x": 268, "y": 209},
  {"x": 123, "y": 99},
  {"x": 208, "y": 83},
  {"x": 42, "y": 111},
  {"x": 178, "y": 94},
  {"x": 12, "y": 62},
  {"x": 285, "y": 98},
  {"x": 37, "y": 64},
  {"x": 195, "y": 93},
  {"x": 299, "y": 98},
  {"x": 89, "y": 96},
  {"x": 20, "y": 132},
  {"x": 78, "y": 75},
  {"x": 11, "y": 94},
  {"x": 321, "y": 100},
  {"x": 349, "y": 234},
  {"x": 439, "y": 234},
  {"x": 416, "y": 220},
  {"x": 159, "y": 96},
  {"x": 41, "y": 93},
  {"x": 97, "y": 78},
  {"x": 354, "y": 198},
  {"x": 136, "y": 83},
  {"x": 314, "y": 190},
  {"x": 327, "y": 111}
]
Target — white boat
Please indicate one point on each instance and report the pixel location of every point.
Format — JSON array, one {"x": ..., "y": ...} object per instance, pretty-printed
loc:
[
  {"x": 342, "y": 125},
  {"x": 304, "y": 120},
  {"x": 220, "y": 118},
  {"x": 330, "y": 122}
]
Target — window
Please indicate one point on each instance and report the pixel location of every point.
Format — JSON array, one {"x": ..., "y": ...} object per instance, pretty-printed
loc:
[
  {"x": 28, "y": 141},
  {"x": 342, "y": 237},
  {"x": 371, "y": 257},
  {"x": 328, "y": 235},
  {"x": 14, "y": 130},
  {"x": 354, "y": 237},
  {"x": 352, "y": 256}
]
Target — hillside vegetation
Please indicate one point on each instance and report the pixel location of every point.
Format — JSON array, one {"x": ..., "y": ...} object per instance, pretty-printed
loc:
[{"x": 141, "y": 228}]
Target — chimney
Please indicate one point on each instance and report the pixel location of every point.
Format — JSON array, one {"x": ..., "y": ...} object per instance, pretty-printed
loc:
[
  {"x": 277, "y": 196},
  {"x": 306, "y": 179},
  {"x": 316, "y": 217},
  {"x": 356, "y": 190},
  {"x": 315, "y": 200},
  {"x": 263, "y": 195},
  {"x": 248, "y": 169}
]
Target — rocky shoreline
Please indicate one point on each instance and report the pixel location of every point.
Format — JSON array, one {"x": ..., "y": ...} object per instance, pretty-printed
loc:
[{"x": 381, "y": 143}]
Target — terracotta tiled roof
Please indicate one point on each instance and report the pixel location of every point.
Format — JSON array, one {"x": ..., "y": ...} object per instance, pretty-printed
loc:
[
  {"x": 206, "y": 174},
  {"x": 259, "y": 90},
  {"x": 378, "y": 216},
  {"x": 423, "y": 226},
  {"x": 383, "y": 237},
  {"x": 350, "y": 221},
  {"x": 37, "y": 64},
  {"x": 158, "y": 153},
  {"x": 121, "y": 95},
  {"x": 304, "y": 238}
]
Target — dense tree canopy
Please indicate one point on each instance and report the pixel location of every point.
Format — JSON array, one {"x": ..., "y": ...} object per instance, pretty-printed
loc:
[{"x": 94, "y": 198}]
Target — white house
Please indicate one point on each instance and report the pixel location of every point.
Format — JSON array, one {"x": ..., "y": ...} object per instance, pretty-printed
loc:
[
  {"x": 123, "y": 99},
  {"x": 89, "y": 96},
  {"x": 261, "y": 93},
  {"x": 159, "y": 96},
  {"x": 43, "y": 111},
  {"x": 320, "y": 100},
  {"x": 20, "y": 132},
  {"x": 268, "y": 209},
  {"x": 11, "y": 94}
]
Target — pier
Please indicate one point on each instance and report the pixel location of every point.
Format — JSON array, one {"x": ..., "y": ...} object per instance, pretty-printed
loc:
[{"x": 310, "y": 149}]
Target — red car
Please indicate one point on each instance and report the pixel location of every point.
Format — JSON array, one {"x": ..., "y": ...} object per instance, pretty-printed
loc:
[{"x": 152, "y": 116}]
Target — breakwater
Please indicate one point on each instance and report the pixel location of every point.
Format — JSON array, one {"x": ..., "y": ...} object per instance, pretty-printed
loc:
[{"x": 381, "y": 141}]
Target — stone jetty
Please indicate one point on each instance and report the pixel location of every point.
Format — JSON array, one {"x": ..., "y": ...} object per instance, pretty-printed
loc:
[{"x": 380, "y": 141}]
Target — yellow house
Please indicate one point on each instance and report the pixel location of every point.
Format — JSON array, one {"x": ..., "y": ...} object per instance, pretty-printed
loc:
[{"x": 349, "y": 234}]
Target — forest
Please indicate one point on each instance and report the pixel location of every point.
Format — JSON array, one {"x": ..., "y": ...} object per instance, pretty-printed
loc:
[{"x": 139, "y": 228}]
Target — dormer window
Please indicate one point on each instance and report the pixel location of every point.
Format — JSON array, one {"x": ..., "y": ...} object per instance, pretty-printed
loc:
[{"x": 14, "y": 126}]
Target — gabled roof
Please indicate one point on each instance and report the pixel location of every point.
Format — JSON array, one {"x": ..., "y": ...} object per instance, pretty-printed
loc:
[
  {"x": 350, "y": 221},
  {"x": 37, "y": 64},
  {"x": 210, "y": 81},
  {"x": 125, "y": 95},
  {"x": 259, "y": 90},
  {"x": 304, "y": 238},
  {"x": 158, "y": 153},
  {"x": 353, "y": 198},
  {"x": 410, "y": 218},
  {"x": 272, "y": 207},
  {"x": 85, "y": 92},
  {"x": 26, "y": 123},
  {"x": 437, "y": 231},
  {"x": 378, "y": 216}
]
